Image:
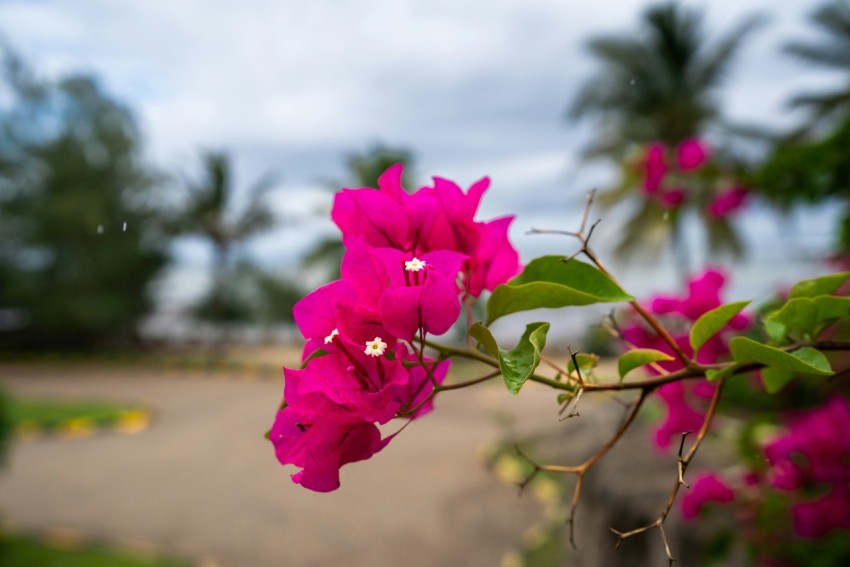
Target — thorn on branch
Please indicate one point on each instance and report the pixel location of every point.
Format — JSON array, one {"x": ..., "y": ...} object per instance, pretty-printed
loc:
[
  {"x": 682, "y": 464},
  {"x": 571, "y": 407}
]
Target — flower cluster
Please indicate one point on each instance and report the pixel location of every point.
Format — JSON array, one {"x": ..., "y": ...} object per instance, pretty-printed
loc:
[
  {"x": 666, "y": 175},
  {"x": 686, "y": 401},
  {"x": 804, "y": 469},
  {"x": 410, "y": 260},
  {"x": 811, "y": 461}
]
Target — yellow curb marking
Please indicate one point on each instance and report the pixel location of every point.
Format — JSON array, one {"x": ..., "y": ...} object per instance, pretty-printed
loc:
[
  {"x": 132, "y": 422},
  {"x": 76, "y": 428}
]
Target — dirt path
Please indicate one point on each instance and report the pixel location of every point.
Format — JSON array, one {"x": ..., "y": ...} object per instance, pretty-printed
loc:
[{"x": 203, "y": 482}]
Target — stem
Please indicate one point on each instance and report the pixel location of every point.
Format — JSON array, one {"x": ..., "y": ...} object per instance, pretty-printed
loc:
[{"x": 683, "y": 462}]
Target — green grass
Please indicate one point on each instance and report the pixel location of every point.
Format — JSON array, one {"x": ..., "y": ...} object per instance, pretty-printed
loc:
[
  {"x": 18, "y": 551},
  {"x": 49, "y": 413}
]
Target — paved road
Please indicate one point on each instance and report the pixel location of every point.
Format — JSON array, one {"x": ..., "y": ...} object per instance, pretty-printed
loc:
[{"x": 202, "y": 482}]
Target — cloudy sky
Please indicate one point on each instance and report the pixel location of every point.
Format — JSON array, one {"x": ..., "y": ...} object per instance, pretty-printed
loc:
[{"x": 474, "y": 88}]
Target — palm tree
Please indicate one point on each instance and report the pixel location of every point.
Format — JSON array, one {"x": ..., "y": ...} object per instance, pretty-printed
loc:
[
  {"x": 211, "y": 213},
  {"x": 832, "y": 52},
  {"x": 658, "y": 85}
]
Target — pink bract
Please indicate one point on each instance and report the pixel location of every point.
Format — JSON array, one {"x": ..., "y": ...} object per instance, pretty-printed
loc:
[
  {"x": 728, "y": 202},
  {"x": 707, "y": 487},
  {"x": 691, "y": 154},
  {"x": 320, "y": 448},
  {"x": 813, "y": 454},
  {"x": 684, "y": 400},
  {"x": 673, "y": 198},
  {"x": 440, "y": 217},
  {"x": 655, "y": 168},
  {"x": 426, "y": 299}
]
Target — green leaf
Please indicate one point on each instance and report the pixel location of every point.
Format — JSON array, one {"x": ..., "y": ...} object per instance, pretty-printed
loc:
[
  {"x": 775, "y": 379},
  {"x": 710, "y": 323},
  {"x": 805, "y": 360},
  {"x": 815, "y": 358},
  {"x": 639, "y": 357},
  {"x": 586, "y": 363},
  {"x": 551, "y": 282},
  {"x": 519, "y": 364},
  {"x": 831, "y": 308},
  {"x": 824, "y": 285},
  {"x": 799, "y": 314},
  {"x": 485, "y": 338}
]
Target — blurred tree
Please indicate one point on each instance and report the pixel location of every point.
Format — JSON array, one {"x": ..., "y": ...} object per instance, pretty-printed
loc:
[
  {"x": 832, "y": 52},
  {"x": 658, "y": 85},
  {"x": 810, "y": 164},
  {"x": 363, "y": 171},
  {"x": 78, "y": 214},
  {"x": 211, "y": 212},
  {"x": 256, "y": 296}
]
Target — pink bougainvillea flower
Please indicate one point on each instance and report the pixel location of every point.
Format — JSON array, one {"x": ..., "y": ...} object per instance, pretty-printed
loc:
[
  {"x": 491, "y": 259},
  {"x": 321, "y": 446},
  {"x": 818, "y": 518},
  {"x": 495, "y": 261},
  {"x": 368, "y": 387},
  {"x": 703, "y": 296},
  {"x": 813, "y": 456},
  {"x": 728, "y": 202},
  {"x": 822, "y": 437},
  {"x": 655, "y": 168},
  {"x": 681, "y": 415},
  {"x": 439, "y": 217},
  {"x": 682, "y": 399},
  {"x": 338, "y": 309},
  {"x": 705, "y": 488},
  {"x": 673, "y": 198},
  {"x": 380, "y": 216},
  {"x": 422, "y": 292},
  {"x": 691, "y": 154}
]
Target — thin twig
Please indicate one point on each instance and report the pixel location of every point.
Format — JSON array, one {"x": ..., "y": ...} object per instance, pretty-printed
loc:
[
  {"x": 581, "y": 470},
  {"x": 682, "y": 466}
]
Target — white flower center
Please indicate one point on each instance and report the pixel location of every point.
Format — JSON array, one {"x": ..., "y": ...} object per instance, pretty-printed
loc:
[
  {"x": 375, "y": 347},
  {"x": 414, "y": 265},
  {"x": 330, "y": 338}
]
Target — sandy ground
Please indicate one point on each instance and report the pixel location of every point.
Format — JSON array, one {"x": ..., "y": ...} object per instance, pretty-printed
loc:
[{"x": 201, "y": 480}]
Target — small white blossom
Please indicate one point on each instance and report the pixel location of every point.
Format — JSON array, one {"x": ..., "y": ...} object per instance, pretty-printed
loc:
[
  {"x": 376, "y": 347},
  {"x": 414, "y": 265},
  {"x": 330, "y": 338}
]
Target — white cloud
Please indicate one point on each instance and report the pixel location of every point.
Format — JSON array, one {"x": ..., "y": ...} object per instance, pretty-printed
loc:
[{"x": 475, "y": 88}]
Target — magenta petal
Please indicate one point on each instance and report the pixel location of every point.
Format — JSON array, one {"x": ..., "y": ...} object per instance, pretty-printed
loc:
[
  {"x": 390, "y": 181},
  {"x": 504, "y": 262},
  {"x": 399, "y": 308},
  {"x": 331, "y": 377},
  {"x": 316, "y": 314},
  {"x": 655, "y": 168},
  {"x": 377, "y": 217},
  {"x": 445, "y": 262},
  {"x": 706, "y": 488},
  {"x": 474, "y": 194},
  {"x": 691, "y": 154},
  {"x": 440, "y": 306},
  {"x": 321, "y": 448}
]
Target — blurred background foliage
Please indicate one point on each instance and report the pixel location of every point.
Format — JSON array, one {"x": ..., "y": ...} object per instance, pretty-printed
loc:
[
  {"x": 88, "y": 225},
  {"x": 79, "y": 234},
  {"x": 659, "y": 84}
]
